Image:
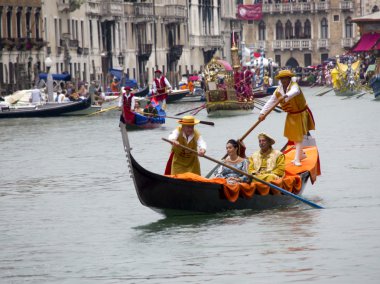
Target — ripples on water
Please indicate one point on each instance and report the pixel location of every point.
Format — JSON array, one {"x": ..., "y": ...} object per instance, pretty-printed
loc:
[{"x": 69, "y": 212}]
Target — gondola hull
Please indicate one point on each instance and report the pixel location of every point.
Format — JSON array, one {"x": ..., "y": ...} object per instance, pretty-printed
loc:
[
  {"x": 175, "y": 196},
  {"x": 46, "y": 110}
]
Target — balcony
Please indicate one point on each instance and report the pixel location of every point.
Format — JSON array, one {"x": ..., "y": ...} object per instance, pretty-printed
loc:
[
  {"x": 206, "y": 41},
  {"x": 112, "y": 9},
  {"x": 291, "y": 44},
  {"x": 175, "y": 52},
  {"x": 144, "y": 51},
  {"x": 144, "y": 11},
  {"x": 261, "y": 44},
  {"x": 59, "y": 50},
  {"x": 63, "y": 6},
  {"x": 323, "y": 43},
  {"x": 93, "y": 8},
  {"x": 322, "y": 6},
  {"x": 73, "y": 43},
  {"x": 175, "y": 13},
  {"x": 347, "y": 43},
  {"x": 8, "y": 43},
  {"x": 347, "y": 6},
  {"x": 282, "y": 8}
]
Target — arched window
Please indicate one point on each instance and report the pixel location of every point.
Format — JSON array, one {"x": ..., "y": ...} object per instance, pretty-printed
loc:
[
  {"x": 375, "y": 9},
  {"x": 348, "y": 27},
  {"x": 307, "y": 29},
  {"x": 18, "y": 22},
  {"x": 9, "y": 23},
  {"x": 279, "y": 30},
  {"x": 288, "y": 30},
  {"x": 27, "y": 16},
  {"x": 262, "y": 30},
  {"x": 324, "y": 28},
  {"x": 298, "y": 29},
  {"x": 37, "y": 23}
]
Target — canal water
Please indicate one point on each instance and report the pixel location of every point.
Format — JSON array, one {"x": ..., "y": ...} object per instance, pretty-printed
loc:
[{"x": 69, "y": 212}]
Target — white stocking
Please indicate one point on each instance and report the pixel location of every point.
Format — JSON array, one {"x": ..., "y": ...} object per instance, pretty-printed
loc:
[{"x": 298, "y": 156}]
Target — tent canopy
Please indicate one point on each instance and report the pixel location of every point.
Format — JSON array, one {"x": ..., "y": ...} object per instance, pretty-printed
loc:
[
  {"x": 366, "y": 42},
  {"x": 57, "y": 77}
]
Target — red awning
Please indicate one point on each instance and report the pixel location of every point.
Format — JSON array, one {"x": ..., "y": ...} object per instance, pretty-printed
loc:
[{"x": 367, "y": 42}]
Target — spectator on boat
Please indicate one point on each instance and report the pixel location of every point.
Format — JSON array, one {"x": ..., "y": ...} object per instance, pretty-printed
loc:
[
  {"x": 149, "y": 109},
  {"x": 234, "y": 160},
  {"x": 182, "y": 160},
  {"x": 267, "y": 163},
  {"x": 36, "y": 96},
  {"x": 161, "y": 88},
  {"x": 137, "y": 107},
  {"x": 83, "y": 92},
  {"x": 115, "y": 87},
  {"x": 299, "y": 120},
  {"x": 61, "y": 97}
]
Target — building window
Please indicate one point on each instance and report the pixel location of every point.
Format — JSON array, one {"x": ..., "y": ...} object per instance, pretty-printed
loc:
[
  {"x": 288, "y": 30},
  {"x": 9, "y": 23},
  {"x": 277, "y": 59},
  {"x": 279, "y": 30},
  {"x": 298, "y": 29},
  {"x": 307, "y": 59},
  {"x": 336, "y": 18},
  {"x": 324, "y": 28},
  {"x": 261, "y": 30},
  {"x": 324, "y": 57},
  {"x": 18, "y": 22},
  {"x": 307, "y": 29},
  {"x": 375, "y": 9},
  {"x": 348, "y": 27}
]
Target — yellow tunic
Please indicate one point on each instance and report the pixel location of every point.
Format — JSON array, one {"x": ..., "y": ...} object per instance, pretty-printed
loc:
[
  {"x": 184, "y": 160},
  {"x": 298, "y": 120},
  {"x": 268, "y": 167}
]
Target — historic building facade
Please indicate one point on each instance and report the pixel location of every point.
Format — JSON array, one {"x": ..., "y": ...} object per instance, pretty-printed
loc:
[
  {"x": 303, "y": 33},
  {"x": 87, "y": 37}
]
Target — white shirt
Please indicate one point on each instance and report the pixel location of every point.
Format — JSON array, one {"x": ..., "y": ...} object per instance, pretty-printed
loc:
[
  {"x": 36, "y": 96},
  {"x": 201, "y": 144},
  {"x": 159, "y": 79},
  {"x": 291, "y": 93}
]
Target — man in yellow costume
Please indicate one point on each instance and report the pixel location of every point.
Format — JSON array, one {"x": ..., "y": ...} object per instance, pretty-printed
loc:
[
  {"x": 299, "y": 120},
  {"x": 267, "y": 163},
  {"x": 183, "y": 160}
]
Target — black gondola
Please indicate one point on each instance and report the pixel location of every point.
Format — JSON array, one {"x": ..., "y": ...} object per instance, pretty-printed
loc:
[
  {"x": 142, "y": 93},
  {"x": 45, "y": 110},
  {"x": 170, "y": 196}
]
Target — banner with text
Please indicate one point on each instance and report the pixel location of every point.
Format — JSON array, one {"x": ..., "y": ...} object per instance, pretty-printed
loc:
[{"x": 250, "y": 12}]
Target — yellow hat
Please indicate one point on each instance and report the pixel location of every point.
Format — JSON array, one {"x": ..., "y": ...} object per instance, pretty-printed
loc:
[
  {"x": 266, "y": 136},
  {"x": 188, "y": 120},
  {"x": 284, "y": 74}
]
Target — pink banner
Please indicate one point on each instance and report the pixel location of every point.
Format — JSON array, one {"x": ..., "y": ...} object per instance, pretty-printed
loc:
[{"x": 250, "y": 12}]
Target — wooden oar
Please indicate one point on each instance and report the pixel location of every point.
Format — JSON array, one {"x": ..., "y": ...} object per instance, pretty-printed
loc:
[
  {"x": 312, "y": 204},
  {"x": 103, "y": 110},
  {"x": 361, "y": 94},
  {"x": 258, "y": 121},
  {"x": 324, "y": 92},
  {"x": 249, "y": 131},
  {"x": 178, "y": 118},
  {"x": 262, "y": 103},
  {"x": 180, "y": 113},
  {"x": 201, "y": 121}
]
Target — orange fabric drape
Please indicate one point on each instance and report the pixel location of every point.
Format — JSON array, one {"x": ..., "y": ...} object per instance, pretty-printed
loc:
[{"x": 291, "y": 182}]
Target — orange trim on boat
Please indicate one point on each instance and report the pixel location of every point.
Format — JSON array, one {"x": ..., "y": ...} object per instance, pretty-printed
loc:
[{"x": 291, "y": 182}]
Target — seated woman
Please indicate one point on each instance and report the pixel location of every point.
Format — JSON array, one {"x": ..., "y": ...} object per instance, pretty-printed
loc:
[
  {"x": 137, "y": 108},
  {"x": 234, "y": 160}
]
